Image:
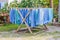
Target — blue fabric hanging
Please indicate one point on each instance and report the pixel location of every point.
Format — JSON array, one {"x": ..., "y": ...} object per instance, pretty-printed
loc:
[
  {"x": 50, "y": 14},
  {"x": 46, "y": 16},
  {"x": 36, "y": 17},
  {"x": 32, "y": 18},
  {"x": 41, "y": 15},
  {"x": 18, "y": 19},
  {"x": 12, "y": 17},
  {"x": 24, "y": 13}
]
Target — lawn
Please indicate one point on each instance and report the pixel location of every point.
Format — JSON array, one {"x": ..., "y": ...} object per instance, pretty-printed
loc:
[
  {"x": 8, "y": 27},
  {"x": 11, "y": 27}
]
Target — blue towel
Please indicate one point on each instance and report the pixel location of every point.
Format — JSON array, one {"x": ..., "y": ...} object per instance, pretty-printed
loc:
[
  {"x": 27, "y": 19},
  {"x": 50, "y": 14},
  {"x": 46, "y": 16},
  {"x": 12, "y": 17},
  {"x": 18, "y": 19},
  {"x": 24, "y": 13},
  {"x": 32, "y": 20},
  {"x": 36, "y": 17},
  {"x": 41, "y": 15}
]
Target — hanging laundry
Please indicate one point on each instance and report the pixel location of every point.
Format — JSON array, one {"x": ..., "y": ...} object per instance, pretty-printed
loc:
[
  {"x": 24, "y": 12},
  {"x": 32, "y": 20},
  {"x": 12, "y": 17},
  {"x": 36, "y": 17},
  {"x": 50, "y": 14},
  {"x": 30, "y": 17},
  {"x": 46, "y": 16},
  {"x": 18, "y": 19},
  {"x": 41, "y": 16},
  {"x": 15, "y": 17}
]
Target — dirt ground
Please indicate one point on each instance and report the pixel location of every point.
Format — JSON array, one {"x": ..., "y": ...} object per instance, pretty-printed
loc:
[{"x": 53, "y": 33}]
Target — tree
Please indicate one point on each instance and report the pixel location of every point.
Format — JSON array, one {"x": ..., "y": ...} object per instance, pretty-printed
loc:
[
  {"x": 55, "y": 7},
  {"x": 5, "y": 8},
  {"x": 51, "y": 3},
  {"x": 29, "y": 3}
]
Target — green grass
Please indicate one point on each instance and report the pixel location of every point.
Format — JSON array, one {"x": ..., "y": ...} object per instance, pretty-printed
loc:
[{"x": 8, "y": 27}]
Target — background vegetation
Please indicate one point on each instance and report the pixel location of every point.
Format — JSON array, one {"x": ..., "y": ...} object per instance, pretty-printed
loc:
[{"x": 32, "y": 4}]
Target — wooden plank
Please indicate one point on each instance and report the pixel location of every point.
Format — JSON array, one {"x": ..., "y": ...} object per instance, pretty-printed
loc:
[{"x": 24, "y": 21}]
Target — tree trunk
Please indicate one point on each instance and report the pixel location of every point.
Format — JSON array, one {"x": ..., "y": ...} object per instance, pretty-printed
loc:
[{"x": 51, "y": 3}]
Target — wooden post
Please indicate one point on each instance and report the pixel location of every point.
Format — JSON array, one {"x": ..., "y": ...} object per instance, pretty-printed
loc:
[{"x": 23, "y": 20}]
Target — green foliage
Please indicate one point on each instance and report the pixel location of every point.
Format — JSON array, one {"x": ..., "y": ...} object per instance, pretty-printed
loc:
[
  {"x": 55, "y": 4},
  {"x": 13, "y": 4},
  {"x": 26, "y": 3},
  {"x": 4, "y": 9},
  {"x": 29, "y": 3}
]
